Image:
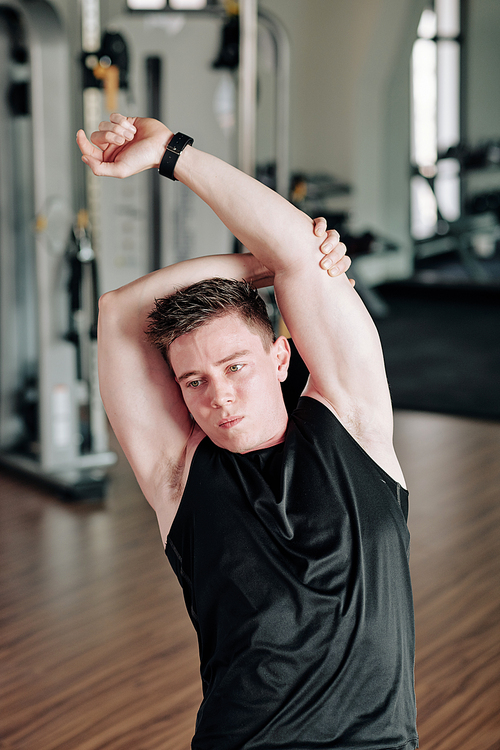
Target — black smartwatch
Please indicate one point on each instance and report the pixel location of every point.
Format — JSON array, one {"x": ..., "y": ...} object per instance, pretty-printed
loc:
[{"x": 174, "y": 149}]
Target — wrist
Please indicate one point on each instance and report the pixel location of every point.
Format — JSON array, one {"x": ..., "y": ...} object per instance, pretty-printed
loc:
[
  {"x": 161, "y": 144},
  {"x": 173, "y": 151}
]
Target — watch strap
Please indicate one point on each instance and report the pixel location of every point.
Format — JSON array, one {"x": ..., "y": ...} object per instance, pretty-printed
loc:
[{"x": 176, "y": 146}]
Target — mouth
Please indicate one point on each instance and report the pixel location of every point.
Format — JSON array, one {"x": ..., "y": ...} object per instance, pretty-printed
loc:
[{"x": 229, "y": 422}]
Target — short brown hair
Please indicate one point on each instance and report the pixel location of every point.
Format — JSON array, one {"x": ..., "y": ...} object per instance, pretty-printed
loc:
[{"x": 191, "y": 307}]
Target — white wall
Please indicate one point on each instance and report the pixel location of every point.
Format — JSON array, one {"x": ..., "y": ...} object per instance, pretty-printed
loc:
[
  {"x": 350, "y": 107},
  {"x": 381, "y": 122},
  {"x": 329, "y": 39}
]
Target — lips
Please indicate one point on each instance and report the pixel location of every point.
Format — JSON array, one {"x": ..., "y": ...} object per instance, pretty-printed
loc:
[{"x": 230, "y": 422}]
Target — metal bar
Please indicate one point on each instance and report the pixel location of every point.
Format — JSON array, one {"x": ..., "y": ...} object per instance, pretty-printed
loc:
[
  {"x": 247, "y": 86},
  {"x": 282, "y": 121},
  {"x": 154, "y": 108}
]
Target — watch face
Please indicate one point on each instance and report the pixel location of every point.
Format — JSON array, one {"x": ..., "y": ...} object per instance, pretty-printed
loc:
[
  {"x": 172, "y": 152},
  {"x": 179, "y": 142}
]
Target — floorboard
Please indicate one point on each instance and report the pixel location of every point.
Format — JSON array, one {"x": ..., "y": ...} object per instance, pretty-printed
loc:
[
  {"x": 452, "y": 467},
  {"x": 97, "y": 651}
]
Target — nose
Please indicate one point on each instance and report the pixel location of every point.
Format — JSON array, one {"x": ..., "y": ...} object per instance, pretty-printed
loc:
[{"x": 220, "y": 393}]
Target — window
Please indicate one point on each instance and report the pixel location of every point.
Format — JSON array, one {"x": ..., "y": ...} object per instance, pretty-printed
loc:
[
  {"x": 165, "y": 4},
  {"x": 435, "y": 120}
]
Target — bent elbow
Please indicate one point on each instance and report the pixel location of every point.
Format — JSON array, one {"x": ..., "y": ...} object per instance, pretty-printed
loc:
[
  {"x": 120, "y": 314},
  {"x": 107, "y": 300},
  {"x": 110, "y": 312}
]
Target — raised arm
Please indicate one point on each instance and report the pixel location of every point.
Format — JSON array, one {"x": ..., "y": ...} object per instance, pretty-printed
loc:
[
  {"x": 142, "y": 400},
  {"x": 330, "y": 326}
]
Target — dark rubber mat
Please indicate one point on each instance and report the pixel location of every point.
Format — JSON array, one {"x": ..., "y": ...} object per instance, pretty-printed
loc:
[{"x": 442, "y": 348}]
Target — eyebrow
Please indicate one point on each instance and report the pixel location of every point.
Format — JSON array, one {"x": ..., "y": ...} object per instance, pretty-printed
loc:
[{"x": 234, "y": 355}]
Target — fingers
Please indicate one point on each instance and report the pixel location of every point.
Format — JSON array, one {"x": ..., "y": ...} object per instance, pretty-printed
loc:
[
  {"x": 319, "y": 226},
  {"x": 86, "y": 147},
  {"x": 94, "y": 164},
  {"x": 331, "y": 242},
  {"x": 116, "y": 131},
  {"x": 335, "y": 260},
  {"x": 335, "y": 266},
  {"x": 105, "y": 138},
  {"x": 334, "y": 253},
  {"x": 127, "y": 123},
  {"x": 106, "y": 168},
  {"x": 121, "y": 125},
  {"x": 93, "y": 157},
  {"x": 114, "y": 134}
]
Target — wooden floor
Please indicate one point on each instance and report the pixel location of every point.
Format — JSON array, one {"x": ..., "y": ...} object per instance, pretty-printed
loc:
[{"x": 96, "y": 650}]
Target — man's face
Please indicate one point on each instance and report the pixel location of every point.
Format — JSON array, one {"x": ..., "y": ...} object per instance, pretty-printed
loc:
[{"x": 231, "y": 383}]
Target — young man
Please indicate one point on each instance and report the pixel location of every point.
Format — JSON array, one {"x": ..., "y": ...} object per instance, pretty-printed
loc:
[{"x": 287, "y": 533}]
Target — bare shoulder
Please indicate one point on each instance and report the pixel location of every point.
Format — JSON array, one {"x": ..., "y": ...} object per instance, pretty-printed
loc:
[
  {"x": 374, "y": 437},
  {"x": 339, "y": 343}
]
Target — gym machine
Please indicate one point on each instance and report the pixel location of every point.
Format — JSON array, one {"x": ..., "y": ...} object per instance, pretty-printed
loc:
[
  {"x": 187, "y": 69},
  {"x": 52, "y": 424}
]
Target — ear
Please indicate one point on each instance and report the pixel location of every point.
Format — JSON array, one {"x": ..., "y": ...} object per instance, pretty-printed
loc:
[{"x": 282, "y": 352}]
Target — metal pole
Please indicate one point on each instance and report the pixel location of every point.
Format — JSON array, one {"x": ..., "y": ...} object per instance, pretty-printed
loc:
[
  {"x": 282, "y": 135},
  {"x": 247, "y": 86}
]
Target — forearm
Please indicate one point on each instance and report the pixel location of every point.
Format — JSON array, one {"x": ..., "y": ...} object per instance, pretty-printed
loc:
[
  {"x": 273, "y": 230},
  {"x": 132, "y": 303}
]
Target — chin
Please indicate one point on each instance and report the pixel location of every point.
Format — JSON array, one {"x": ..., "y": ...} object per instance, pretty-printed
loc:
[{"x": 234, "y": 444}]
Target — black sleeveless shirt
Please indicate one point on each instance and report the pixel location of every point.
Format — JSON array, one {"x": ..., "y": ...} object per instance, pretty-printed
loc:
[{"x": 294, "y": 565}]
